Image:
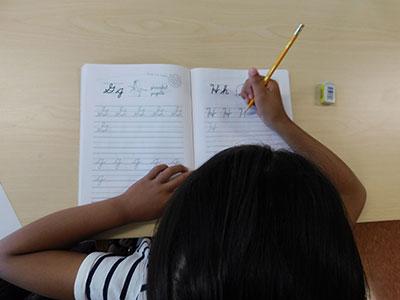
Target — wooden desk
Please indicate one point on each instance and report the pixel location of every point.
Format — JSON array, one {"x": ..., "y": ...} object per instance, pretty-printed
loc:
[{"x": 356, "y": 45}]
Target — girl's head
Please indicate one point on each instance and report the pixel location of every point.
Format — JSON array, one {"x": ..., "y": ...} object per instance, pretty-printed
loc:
[{"x": 255, "y": 223}]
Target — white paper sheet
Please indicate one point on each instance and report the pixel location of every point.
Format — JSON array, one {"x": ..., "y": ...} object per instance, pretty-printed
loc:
[
  {"x": 133, "y": 117},
  {"x": 8, "y": 219},
  {"x": 219, "y": 121}
]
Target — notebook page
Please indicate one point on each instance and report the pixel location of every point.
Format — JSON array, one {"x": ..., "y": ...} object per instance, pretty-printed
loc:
[
  {"x": 8, "y": 219},
  {"x": 133, "y": 117},
  {"x": 219, "y": 121}
]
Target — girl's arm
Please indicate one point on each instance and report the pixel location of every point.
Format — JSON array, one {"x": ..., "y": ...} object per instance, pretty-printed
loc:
[
  {"x": 269, "y": 107},
  {"x": 32, "y": 257},
  {"x": 346, "y": 182}
]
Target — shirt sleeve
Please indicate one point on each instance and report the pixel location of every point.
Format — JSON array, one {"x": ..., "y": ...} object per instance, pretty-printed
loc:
[{"x": 107, "y": 276}]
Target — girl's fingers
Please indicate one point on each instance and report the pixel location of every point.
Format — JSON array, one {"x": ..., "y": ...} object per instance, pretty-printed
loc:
[
  {"x": 272, "y": 85},
  {"x": 253, "y": 73},
  {"x": 155, "y": 171},
  {"x": 244, "y": 90},
  {"x": 250, "y": 93},
  {"x": 177, "y": 181},
  {"x": 247, "y": 91},
  {"x": 166, "y": 174}
]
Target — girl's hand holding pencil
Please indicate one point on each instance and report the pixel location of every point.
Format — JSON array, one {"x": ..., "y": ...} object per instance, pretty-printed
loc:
[{"x": 267, "y": 98}]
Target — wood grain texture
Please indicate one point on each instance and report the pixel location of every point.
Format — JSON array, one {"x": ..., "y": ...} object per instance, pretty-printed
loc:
[
  {"x": 355, "y": 44},
  {"x": 379, "y": 244}
]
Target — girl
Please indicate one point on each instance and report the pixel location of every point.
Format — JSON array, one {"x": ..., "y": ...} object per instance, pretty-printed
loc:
[{"x": 250, "y": 223}]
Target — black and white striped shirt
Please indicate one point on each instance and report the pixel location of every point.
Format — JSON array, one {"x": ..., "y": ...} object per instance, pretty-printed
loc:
[{"x": 107, "y": 276}]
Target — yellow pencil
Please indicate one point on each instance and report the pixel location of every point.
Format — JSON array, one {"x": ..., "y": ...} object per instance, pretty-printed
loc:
[{"x": 278, "y": 61}]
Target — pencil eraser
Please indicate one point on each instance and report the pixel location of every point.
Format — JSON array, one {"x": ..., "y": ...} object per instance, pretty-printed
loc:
[{"x": 327, "y": 93}]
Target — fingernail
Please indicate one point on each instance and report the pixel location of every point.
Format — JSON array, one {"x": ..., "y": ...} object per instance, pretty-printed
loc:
[{"x": 253, "y": 71}]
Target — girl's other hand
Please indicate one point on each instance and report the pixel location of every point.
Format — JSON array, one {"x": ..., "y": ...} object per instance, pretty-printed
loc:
[{"x": 146, "y": 199}]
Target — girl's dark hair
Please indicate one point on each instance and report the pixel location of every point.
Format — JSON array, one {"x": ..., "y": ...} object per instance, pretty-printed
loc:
[{"x": 255, "y": 223}]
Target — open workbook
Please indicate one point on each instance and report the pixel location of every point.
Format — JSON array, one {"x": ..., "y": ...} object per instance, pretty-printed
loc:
[{"x": 134, "y": 117}]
